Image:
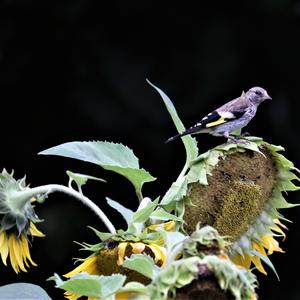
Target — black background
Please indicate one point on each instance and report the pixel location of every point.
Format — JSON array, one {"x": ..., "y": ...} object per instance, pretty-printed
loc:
[{"x": 76, "y": 71}]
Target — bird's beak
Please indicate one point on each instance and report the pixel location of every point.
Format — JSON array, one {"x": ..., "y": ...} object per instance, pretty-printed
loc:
[{"x": 267, "y": 97}]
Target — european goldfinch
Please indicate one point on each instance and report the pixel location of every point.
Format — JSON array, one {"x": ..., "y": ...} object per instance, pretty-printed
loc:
[{"x": 230, "y": 117}]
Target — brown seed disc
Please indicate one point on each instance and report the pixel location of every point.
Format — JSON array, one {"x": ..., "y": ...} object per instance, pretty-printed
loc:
[{"x": 237, "y": 190}]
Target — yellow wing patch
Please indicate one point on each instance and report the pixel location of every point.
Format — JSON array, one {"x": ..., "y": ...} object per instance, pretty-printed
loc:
[{"x": 218, "y": 122}]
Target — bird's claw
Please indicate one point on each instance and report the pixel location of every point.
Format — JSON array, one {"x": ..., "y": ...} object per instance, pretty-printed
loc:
[
  {"x": 246, "y": 134},
  {"x": 235, "y": 140}
]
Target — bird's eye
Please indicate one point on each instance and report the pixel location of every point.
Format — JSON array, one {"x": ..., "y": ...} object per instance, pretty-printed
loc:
[{"x": 258, "y": 93}]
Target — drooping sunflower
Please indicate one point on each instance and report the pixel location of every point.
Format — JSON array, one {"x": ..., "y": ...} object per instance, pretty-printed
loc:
[
  {"x": 17, "y": 223},
  {"x": 108, "y": 257},
  {"x": 237, "y": 189},
  {"x": 204, "y": 271}
]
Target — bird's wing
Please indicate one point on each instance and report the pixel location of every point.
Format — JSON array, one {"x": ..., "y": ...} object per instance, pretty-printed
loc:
[{"x": 228, "y": 112}]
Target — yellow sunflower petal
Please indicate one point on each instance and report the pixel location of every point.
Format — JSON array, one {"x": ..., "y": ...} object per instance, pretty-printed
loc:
[
  {"x": 26, "y": 252},
  {"x": 159, "y": 253},
  {"x": 169, "y": 226},
  {"x": 93, "y": 268},
  {"x": 243, "y": 261},
  {"x": 278, "y": 230},
  {"x": 223, "y": 256},
  {"x": 3, "y": 247},
  {"x": 160, "y": 241},
  {"x": 89, "y": 265},
  {"x": 18, "y": 251},
  {"x": 71, "y": 296},
  {"x": 259, "y": 248},
  {"x": 246, "y": 259},
  {"x": 34, "y": 231},
  {"x": 277, "y": 221},
  {"x": 258, "y": 265},
  {"x": 271, "y": 244},
  {"x": 121, "y": 253},
  {"x": 237, "y": 259},
  {"x": 122, "y": 296},
  {"x": 137, "y": 248},
  {"x": 153, "y": 226},
  {"x": 253, "y": 297},
  {"x": 12, "y": 257}
]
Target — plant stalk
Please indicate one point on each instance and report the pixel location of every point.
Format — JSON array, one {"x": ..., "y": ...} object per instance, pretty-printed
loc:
[{"x": 23, "y": 196}]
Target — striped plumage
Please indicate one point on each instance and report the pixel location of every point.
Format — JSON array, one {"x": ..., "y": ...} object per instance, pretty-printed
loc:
[{"x": 230, "y": 117}]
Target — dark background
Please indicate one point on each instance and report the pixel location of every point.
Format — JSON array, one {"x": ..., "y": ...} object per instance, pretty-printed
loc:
[{"x": 76, "y": 71}]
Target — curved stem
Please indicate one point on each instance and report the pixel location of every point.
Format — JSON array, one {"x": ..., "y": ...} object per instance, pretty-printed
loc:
[
  {"x": 174, "y": 253},
  {"x": 182, "y": 173},
  {"x": 51, "y": 188}
]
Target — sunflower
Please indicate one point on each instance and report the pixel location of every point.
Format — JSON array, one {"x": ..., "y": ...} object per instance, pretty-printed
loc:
[
  {"x": 108, "y": 258},
  {"x": 92, "y": 264},
  {"x": 17, "y": 223},
  {"x": 238, "y": 189}
]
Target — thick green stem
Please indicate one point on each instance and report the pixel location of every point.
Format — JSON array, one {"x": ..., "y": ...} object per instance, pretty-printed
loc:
[
  {"x": 183, "y": 172},
  {"x": 139, "y": 194},
  {"x": 21, "y": 197}
]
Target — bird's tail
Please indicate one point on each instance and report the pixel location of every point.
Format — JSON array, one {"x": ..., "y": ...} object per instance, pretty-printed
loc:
[
  {"x": 186, "y": 132},
  {"x": 175, "y": 137}
]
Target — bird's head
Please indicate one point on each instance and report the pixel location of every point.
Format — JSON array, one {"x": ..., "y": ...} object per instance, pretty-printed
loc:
[{"x": 257, "y": 95}]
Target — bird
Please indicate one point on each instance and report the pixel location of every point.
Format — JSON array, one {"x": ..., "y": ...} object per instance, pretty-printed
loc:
[{"x": 231, "y": 116}]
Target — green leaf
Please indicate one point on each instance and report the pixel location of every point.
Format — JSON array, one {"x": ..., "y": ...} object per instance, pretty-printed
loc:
[
  {"x": 176, "y": 192},
  {"x": 161, "y": 214},
  {"x": 143, "y": 214},
  {"x": 134, "y": 286},
  {"x": 126, "y": 213},
  {"x": 198, "y": 173},
  {"x": 142, "y": 264},
  {"x": 189, "y": 142},
  {"x": 103, "y": 236},
  {"x": 110, "y": 156},
  {"x": 23, "y": 290},
  {"x": 91, "y": 285},
  {"x": 136, "y": 176},
  {"x": 97, "y": 152},
  {"x": 251, "y": 146},
  {"x": 81, "y": 179},
  {"x": 172, "y": 239}
]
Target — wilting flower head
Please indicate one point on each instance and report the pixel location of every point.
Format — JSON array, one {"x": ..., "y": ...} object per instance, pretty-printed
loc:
[
  {"x": 17, "y": 218},
  {"x": 237, "y": 189},
  {"x": 194, "y": 276},
  {"x": 108, "y": 256}
]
